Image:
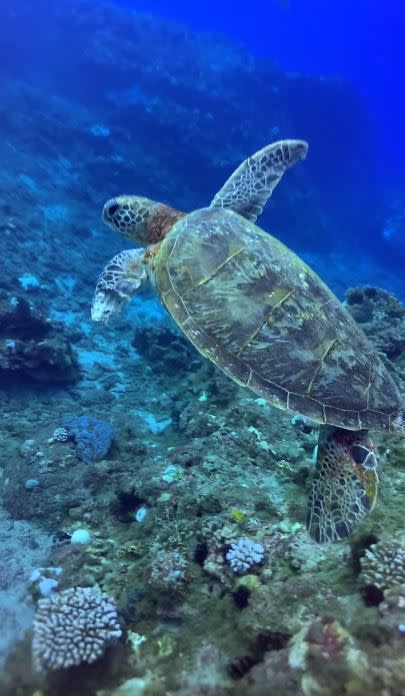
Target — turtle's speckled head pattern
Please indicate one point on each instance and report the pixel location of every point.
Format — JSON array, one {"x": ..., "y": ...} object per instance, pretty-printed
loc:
[
  {"x": 129, "y": 215},
  {"x": 139, "y": 219}
]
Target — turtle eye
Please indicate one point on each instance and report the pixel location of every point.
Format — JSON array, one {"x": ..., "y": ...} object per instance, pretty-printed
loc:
[{"x": 112, "y": 209}]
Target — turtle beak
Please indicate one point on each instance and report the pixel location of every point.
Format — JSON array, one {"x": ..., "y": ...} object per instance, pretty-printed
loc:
[{"x": 299, "y": 150}]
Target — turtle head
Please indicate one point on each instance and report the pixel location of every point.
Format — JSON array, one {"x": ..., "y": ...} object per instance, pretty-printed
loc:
[
  {"x": 139, "y": 219},
  {"x": 129, "y": 216}
]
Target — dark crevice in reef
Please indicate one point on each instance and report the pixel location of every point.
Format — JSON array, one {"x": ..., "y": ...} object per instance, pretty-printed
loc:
[
  {"x": 358, "y": 549},
  {"x": 201, "y": 553},
  {"x": 241, "y": 597},
  {"x": 265, "y": 643},
  {"x": 125, "y": 505},
  {"x": 372, "y": 595}
]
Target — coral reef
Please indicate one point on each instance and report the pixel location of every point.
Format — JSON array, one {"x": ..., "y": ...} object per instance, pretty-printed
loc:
[
  {"x": 92, "y": 436},
  {"x": 244, "y": 554},
  {"x": 72, "y": 627},
  {"x": 383, "y": 565},
  {"x": 381, "y": 316},
  {"x": 33, "y": 347},
  {"x": 168, "y": 570},
  {"x": 321, "y": 658},
  {"x": 169, "y": 488},
  {"x": 23, "y": 546}
]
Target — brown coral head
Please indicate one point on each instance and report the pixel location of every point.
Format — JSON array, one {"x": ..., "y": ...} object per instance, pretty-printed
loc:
[{"x": 327, "y": 636}]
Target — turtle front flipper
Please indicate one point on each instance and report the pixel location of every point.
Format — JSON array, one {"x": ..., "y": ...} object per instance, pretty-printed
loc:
[
  {"x": 248, "y": 189},
  {"x": 344, "y": 487},
  {"x": 123, "y": 275}
]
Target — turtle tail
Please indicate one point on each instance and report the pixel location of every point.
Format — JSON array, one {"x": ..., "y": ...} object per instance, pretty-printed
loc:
[{"x": 344, "y": 486}]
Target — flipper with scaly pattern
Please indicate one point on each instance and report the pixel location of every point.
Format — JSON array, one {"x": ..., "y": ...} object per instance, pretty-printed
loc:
[{"x": 251, "y": 185}]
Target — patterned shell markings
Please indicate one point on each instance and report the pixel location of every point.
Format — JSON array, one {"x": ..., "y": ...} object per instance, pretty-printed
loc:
[{"x": 256, "y": 310}]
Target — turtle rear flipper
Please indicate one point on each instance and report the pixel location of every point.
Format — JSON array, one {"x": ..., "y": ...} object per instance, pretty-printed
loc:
[
  {"x": 248, "y": 189},
  {"x": 123, "y": 275},
  {"x": 344, "y": 487}
]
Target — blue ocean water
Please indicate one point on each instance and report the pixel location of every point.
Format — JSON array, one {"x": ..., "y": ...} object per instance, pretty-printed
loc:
[
  {"x": 361, "y": 43},
  {"x": 130, "y": 464}
]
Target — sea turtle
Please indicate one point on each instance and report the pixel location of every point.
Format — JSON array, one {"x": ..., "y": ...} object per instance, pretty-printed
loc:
[{"x": 258, "y": 312}]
